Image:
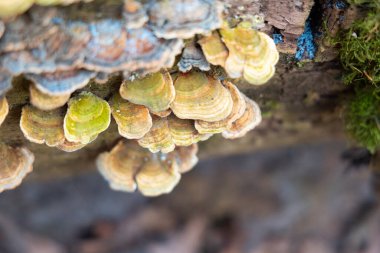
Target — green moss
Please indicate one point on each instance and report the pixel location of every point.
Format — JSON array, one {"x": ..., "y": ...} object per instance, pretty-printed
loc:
[
  {"x": 360, "y": 57},
  {"x": 370, "y": 3},
  {"x": 359, "y": 50},
  {"x": 363, "y": 119}
]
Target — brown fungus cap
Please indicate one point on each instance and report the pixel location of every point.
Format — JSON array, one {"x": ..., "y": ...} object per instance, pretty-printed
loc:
[
  {"x": 43, "y": 126},
  {"x": 163, "y": 114},
  {"x": 214, "y": 49},
  {"x": 45, "y": 101},
  {"x": 4, "y": 109},
  {"x": 69, "y": 146},
  {"x": 186, "y": 157},
  {"x": 10, "y": 8},
  {"x": 238, "y": 110},
  {"x": 158, "y": 176},
  {"x": 133, "y": 121},
  {"x": 155, "y": 91},
  {"x": 120, "y": 165},
  {"x": 183, "y": 132},
  {"x": 167, "y": 133},
  {"x": 128, "y": 166},
  {"x": 158, "y": 139},
  {"x": 201, "y": 97},
  {"x": 252, "y": 54},
  {"x": 15, "y": 164},
  {"x": 248, "y": 121}
]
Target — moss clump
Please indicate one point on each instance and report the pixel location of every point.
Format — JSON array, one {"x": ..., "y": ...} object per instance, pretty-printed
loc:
[
  {"x": 360, "y": 57},
  {"x": 371, "y": 3},
  {"x": 363, "y": 118},
  {"x": 359, "y": 50}
]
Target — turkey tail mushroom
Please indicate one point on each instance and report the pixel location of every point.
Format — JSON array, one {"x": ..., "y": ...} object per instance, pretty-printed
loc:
[
  {"x": 4, "y": 109},
  {"x": 214, "y": 49},
  {"x": 12, "y": 8},
  {"x": 45, "y": 101},
  {"x": 158, "y": 139},
  {"x": 192, "y": 56},
  {"x": 128, "y": 166},
  {"x": 238, "y": 110},
  {"x": 155, "y": 91},
  {"x": 248, "y": 121},
  {"x": 200, "y": 97},
  {"x": 42, "y": 126},
  {"x": 133, "y": 121},
  {"x": 252, "y": 54},
  {"x": 15, "y": 164},
  {"x": 184, "y": 18},
  {"x": 86, "y": 117}
]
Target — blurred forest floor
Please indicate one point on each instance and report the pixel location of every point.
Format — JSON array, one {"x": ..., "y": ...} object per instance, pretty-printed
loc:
[{"x": 302, "y": 199}]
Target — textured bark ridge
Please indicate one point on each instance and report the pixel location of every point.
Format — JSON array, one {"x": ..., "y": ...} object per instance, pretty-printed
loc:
[{"x": 301, "y": 104}]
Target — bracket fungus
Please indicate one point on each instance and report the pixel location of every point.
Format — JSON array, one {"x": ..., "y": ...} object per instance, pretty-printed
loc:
[
  {"x": 201, "y": 97},
  {"x": 163, "y": 114},
  {"x": 192, "y": 56},
  {"x": 87, "y": 116},
  {"x": 120, "y": 165},
  {"x": 159, "y": 137},
  {"x": 69, "y": 146},
  {"x": 248, "y": 121},
  {"x": 167, "y": 133},
  {"x": 133, "y": 121},
  {"x": 186, "y": 157},
  {"x": 10, "y": 8},
  {"x": 214, "y": 49},
  {"x": 23, "y": 33},
  {"x": 60, "y": 50},
  {"x": 238, "y": 109},
  {"x": 44, "y": 101},
  {"x": 4, "y": 109},
  {"x": 61, "y": 83},
  {"x": 135, "y": 14},
  {"x": 42, "y": 126},
  {"x": 183, "y": 132},
  {"x": 15, "y": 164},
  {"x": 63, "y": 2},
  {"x": 158, "y": 176},
  {"x": 114, "y": 48},
  {"x": 184, "y": 18},
  {"x": 252, "y": 54},
  {"x": 128, "y": 166},
  {"x": 155, "y": 91}
]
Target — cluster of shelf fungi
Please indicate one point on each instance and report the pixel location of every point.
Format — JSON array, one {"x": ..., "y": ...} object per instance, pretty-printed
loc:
[{"x": 168, "y": 102}]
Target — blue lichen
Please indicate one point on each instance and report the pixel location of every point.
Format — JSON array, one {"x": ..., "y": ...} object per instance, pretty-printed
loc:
[
  {"x": 305, "y": 44},
  {"x": 340, "y": 5},
  {"x": 277, "y": 37}
]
